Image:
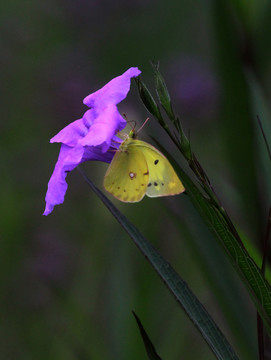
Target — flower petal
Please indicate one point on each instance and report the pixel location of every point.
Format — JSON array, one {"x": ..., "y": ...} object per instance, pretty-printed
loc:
[
  {"x": 71, "y": 133},
  {"x": 104, "y": 128},
  {"x": 113, "y": 92},
  {"x": 69, "y": 158},
  {"x": 57, "y": 185},
  {"x": 91, "y": 138},
  {"x": 88, "y": 117}
]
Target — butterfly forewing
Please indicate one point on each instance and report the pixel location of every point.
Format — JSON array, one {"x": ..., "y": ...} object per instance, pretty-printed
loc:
[{"x": 127, "y": 175}]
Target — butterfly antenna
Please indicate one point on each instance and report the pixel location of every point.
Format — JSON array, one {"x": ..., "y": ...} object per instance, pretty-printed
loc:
[
  {"x": 141, "y": 127},
  {"x": 130, "y": 122}
]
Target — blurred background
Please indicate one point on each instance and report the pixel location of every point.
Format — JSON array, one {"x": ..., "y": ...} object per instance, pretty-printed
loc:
[{"x": 69, "y": 281}]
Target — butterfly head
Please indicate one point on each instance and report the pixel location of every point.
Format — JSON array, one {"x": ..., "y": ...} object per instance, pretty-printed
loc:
[{"x": 132, "y": 134}]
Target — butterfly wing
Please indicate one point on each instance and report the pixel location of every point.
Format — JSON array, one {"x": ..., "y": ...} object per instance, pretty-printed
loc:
[
  {"x": 163, "y": 180},
  {"x": 127, "y": 176}
]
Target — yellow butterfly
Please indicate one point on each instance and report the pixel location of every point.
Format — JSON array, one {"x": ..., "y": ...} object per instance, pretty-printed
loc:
[{"x": 138, "y": 169}]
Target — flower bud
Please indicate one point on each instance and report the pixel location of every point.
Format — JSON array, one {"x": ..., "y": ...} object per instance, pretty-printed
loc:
[
  {"x": 185, "y": 146},
  {"x": 162, "y": 92},
  {"x": 148, "y": 100}
]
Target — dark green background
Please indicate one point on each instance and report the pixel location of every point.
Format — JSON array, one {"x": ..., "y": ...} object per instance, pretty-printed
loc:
[{"x": 69, "y": 281}]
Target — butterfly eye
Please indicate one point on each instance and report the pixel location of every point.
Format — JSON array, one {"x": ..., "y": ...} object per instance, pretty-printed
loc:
[{"x": 156, "y": 162}]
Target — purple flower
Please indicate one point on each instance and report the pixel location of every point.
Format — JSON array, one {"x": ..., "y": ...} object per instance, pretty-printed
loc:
[{"x": 90, "y": 138}]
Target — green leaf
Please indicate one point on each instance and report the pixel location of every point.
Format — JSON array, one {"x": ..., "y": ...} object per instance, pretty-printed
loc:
[
  {"x": 177, "y": 286},
  {"x": 152, "y": 354},
  {"x": 219, "y": 275},
  {"x": 257, "y": 286},
  {"x": 162, "y": 92},
  {"x": 261, "y": 109},
  {"x": 148, "y": 100},
  {"x": 236, "y": 118}
]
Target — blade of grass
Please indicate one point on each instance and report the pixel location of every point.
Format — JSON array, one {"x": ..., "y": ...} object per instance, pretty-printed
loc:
[
  {"x": 264, "y": 137},
  {"x": 221, "y": 280},
  {"x": 266, "y": 246},
  {"x": 219, "y": 222},
  {"x": 261, "y": 110},
  {"x": 234, "y": 53},
  {"x": 262, "y": 113},
  {"x": 150, "y": 349},
  {"x": 257, "y": 286},
  {"x": 177, "y": 286}
]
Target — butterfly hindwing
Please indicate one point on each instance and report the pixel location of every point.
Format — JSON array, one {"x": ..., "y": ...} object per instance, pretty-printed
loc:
[
  {"x": 139, "y": 169},
  {"x": 127, "y": 175},
  {"x": 163, "y": 180}
]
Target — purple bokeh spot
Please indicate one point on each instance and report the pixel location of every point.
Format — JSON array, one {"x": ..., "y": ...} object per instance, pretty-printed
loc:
[{"x": 195, "y": 88}]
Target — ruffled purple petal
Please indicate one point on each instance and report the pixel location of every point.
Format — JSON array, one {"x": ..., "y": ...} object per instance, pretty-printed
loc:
[
  {"x": 57, "y": 185},
  {"x": 91, "y": 138},
  {"x": 104, "y": 128},
  {"x": 91, "y": 153},
  {"x": 113, "y": 92},
  {"x": 68, "y": 159},
  {"x": 71, "y": 134},
  {"x": 89, "y": 117}
]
